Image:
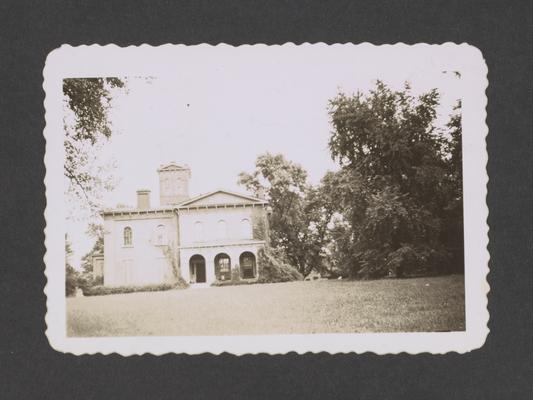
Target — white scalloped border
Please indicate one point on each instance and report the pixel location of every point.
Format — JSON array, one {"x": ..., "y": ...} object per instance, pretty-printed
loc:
[{"x": 59, "y": 64}]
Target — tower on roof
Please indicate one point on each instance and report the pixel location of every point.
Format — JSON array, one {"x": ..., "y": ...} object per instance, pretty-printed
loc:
[{"x": 173, "y": 183}]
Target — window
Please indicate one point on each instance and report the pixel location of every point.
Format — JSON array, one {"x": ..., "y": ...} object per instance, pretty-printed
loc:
[
  {"x": 222, "y": 229},
  {"x": 160, "y": 235},
  {"x": 246, "y": 228},
  {"x": 198, "y": 231},
  {"x": 128, "y": 236}
]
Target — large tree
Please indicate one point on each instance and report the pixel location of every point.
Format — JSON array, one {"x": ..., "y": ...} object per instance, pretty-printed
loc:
[
  {"x": 344, "y": 196},
  {"x": 388, "y": 141},
  {"x": 87, "y": 127},
  {"x": 452, "y": 232},
  {"x": 284, "y": 184}
]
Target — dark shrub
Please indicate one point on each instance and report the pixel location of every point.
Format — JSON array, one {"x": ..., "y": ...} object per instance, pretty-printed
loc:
[
  {"x": 273, "y": 268},
  {"x": 71, "y": 281},
  {"x": 235, "y": 275},
  {"x": 104, "y": 290},
  {"x": 86, "y": 281},
  {"x": 236, "y": 279},
  {"x": 234, "y": 283}
]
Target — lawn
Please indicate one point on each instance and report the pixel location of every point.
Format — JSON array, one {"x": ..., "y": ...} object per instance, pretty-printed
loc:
[{"x": 325, "y": 306}]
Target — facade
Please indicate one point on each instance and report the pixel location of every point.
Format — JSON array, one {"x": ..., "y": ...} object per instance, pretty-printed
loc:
[{"x": 205, "y": 238}]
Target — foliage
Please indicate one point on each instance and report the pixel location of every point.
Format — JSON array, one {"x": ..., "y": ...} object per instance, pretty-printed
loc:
[
  {"x": 71, "y": 281},
  {"x": 235, "y": 274},
  {"x": 395, "y": 205},
  {"x": 95, "y": 231},
  {"x": 273, "y": 268},
  {"x": 218, "y": 283},
  {"x": 86, "y": 281},
  {"x": 171, "y": 253},
  {"x": 452, "y": 232},
  {"x": 87, "y": 126},
  {"x": 71, "y": 275},
  {"x": 236, "y": 279},
  {"x": 259, "y": 224},
  {"x": 105, "y": 290},
  {"x": 284, "y": 185},
  {"x": 399, "y": 175},
  {"x": 86, "y": 278}
]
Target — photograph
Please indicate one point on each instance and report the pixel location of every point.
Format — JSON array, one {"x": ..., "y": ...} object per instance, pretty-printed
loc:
[{"x": 289, "y": 193}]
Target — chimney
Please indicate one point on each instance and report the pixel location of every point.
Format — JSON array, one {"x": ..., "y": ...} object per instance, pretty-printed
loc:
[{"x": 143, "y": 199}]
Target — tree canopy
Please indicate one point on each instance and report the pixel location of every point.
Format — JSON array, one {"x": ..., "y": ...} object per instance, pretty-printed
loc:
[
  {"x": 394, "y": 207},
  {"x": 87, "y": 126},
  {"x": 284, "y": 184},
  {"x": 405, "y": 166}
]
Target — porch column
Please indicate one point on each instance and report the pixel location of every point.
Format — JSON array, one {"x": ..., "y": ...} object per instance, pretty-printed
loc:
[
  {"x": 184, "y": 265},
  {"x": 209, "y": 255}
]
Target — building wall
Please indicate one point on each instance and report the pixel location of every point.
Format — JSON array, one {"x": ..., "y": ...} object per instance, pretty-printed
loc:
[
  {"x": 98, "y": 266},
  {"x": 233, "y": 238},
  {"x": 144, "y": 261},
  {"x": 200, "y": 226}
]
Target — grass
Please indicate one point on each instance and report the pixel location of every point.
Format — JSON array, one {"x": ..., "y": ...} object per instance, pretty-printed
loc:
[{"x": 403, "y": 305}]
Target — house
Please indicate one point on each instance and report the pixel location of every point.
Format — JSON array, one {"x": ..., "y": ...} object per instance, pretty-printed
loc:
[{"x": 203, "y": 238}]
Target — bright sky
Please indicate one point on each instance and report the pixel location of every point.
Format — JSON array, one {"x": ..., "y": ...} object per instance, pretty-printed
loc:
[{"x": 218, "y": 112}]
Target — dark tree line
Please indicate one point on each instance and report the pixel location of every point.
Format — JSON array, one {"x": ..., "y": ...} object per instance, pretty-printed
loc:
[{"x": 395, "y": 205}]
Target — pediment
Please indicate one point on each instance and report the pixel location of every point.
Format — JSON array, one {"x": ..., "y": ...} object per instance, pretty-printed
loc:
[
  {"x": 221, "y": 197},
  {"x": 172, "y": 167}
]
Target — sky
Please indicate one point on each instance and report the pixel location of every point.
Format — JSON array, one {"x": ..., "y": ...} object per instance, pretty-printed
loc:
[{"x": 218, "y": 112}]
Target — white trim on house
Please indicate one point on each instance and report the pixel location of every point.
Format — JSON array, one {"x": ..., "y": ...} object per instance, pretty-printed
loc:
[
  {"x": 223, "y": 244},
  {"x": 206, "y": 195},
  {"x": 136, "y": 211}
]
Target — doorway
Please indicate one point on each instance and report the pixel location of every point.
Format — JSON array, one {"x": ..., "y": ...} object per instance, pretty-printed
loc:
[{"x": 197, "y": 269}]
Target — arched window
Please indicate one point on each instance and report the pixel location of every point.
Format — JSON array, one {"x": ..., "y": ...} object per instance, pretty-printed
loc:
[
  {"x": 246, "y": 228},
  {"x": 222, "y": 229},
  {"x": 128, "y": 236},
  {"x": 198, "y": 231},
  {"x": 161, "y": 235},
  {"x": 223, "y": 267}
]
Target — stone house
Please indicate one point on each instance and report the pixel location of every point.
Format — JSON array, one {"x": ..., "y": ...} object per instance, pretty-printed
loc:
[{"x": 203, "y": 238}]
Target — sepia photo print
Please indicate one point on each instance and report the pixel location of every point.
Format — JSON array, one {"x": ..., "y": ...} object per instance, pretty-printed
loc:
[{"x": 266, "y": 198}]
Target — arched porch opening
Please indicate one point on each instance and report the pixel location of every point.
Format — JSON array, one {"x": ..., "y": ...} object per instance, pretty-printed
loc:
[
  {"x": 248, "y": 265},
  {"x": 222, "y": 267},
  {"x": 197, "y": 269}
]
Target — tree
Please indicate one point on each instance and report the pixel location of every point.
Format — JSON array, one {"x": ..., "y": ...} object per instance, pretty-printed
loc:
[
  {"x": 387, "y": 141},
  {"x": 452, "y": 232},
  {"x": 390, "y": 139},
  {"x": 323, "y": 205},
  {"x": 86, "y": 128},
  {"x": 284, "y": 184},
  {"x": 95, "y": 231},
  {"x": 344, "y": 197},
  {"x": 71, "y": 275}
]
